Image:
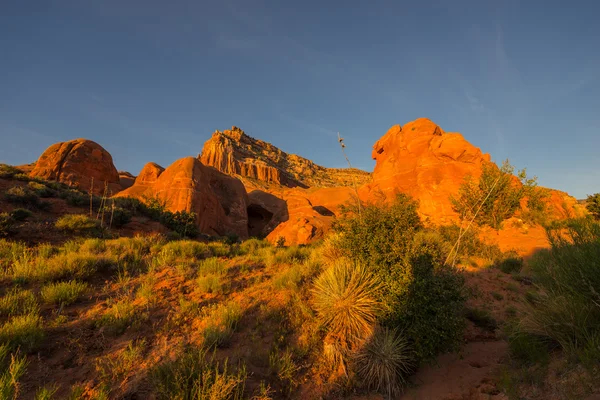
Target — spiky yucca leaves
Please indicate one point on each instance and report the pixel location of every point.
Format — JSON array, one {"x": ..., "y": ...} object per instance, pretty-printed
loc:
[
  {"x": 384, "y": 361},
  {"x": 346, "y": 299}
]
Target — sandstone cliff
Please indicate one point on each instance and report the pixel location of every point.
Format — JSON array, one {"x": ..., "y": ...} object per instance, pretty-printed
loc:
[{"x": 235, "y": 153}]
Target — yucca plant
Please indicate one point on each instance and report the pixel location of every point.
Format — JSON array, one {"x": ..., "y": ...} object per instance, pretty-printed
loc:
[
  {"x": 346, "y": 299},
  {"x": 385, "y": 361}
]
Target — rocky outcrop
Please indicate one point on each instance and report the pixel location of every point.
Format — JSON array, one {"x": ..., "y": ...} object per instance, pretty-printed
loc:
[
  {"x": 235, "y": 153},
  {"x": 219, "y": 201},
  {"x": 126, "y": 179},
  {"x": 422, "y": 160},
  {"x": 81, "y": 163}
]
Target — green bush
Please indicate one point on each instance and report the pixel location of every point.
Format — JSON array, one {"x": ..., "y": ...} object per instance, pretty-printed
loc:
[
  {"x": 20, "y": 214},
  {"x": 18, "y": 302},
  {"x": 194, "y": 375},
  {"x": 592, "y": 204},
  {"x": 13, "y": 369},
  {"x": 481, "y": 318},
  {"x": 8, "y": 171},
  {"x": 23, "y": 331},
  {"x": 7, "y": 223},
  {"x": 510, "y": 265},
  {"x": 79, "y": 224},
  {"x": 22, "y": 195},
  {"x": 40, "y": 189},
  {"x": 63, "y": 293},
  {"x": 182, "y": 222},
  {"x": 422, "y": 296},
  {"x": 470, "y": 244},
  {"x": 566, "y": 311},
  {"x": 496, "y": 197}
]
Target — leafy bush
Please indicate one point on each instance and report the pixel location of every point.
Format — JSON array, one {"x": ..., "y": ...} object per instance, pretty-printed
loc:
[
  {"x": 18, "y": 302},
  {"x": 496, "y": 196},
  {"x": 421, "y": 295},
  {"x": 23, "y": 331},
  {"x": 385, "y": 362},
  {"x": 117, "y": 216},
  {"x": 22, "y": 195},
  {"x": 221, "y": 322},
  {"x": 40, "y": 189},
  {"x": 510, "y": 265},
  {"x": 566, "y": 310},
  {"x": 8, "y": 171},
  {"x": 182, "y": 222},
  {"x": 79, "y": 224},
  {"x": 250, "y": 246},
  {"x": 7, "y": 223},
  {"x": 470, "y": 245},
  {"x": 194, "y": 375},
  {"x": 481, "y": 318},
  {"x": 12, "y": 371},
  {"x": 63, "y": 293},
  {"x": 592, "y": 204},
  {"x": 20, "y": 214}
]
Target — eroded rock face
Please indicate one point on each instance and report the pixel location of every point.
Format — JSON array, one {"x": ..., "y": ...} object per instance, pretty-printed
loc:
[
  {"x": 235, "y": 153},
  {"x": 79, "y": 163},
  {"x": 422, "y": 160},
  {"x": 126, "y": 179},
  {"x": 219, "y": 201}
]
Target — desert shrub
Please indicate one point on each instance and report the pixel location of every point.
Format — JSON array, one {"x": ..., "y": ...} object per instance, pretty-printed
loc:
[
  {"x": 22, "y": 195},
  {"x": 385, "y": 362},
  {"x": 510, "y": 265},
  {"x": 18, "y": 302},
  {"x": 22, "y": 331},
  {"x": 470, "y": 245},
  {"x": 12, "y": 369},
  {"x": 592, "y": 204},
  {"x": 75, "y": 197},
  {"x": 185, "y": 249},
  {"x": 481, "y": 318},
  {"x": 61, "y": 266},
  {"x": 7, "y": 223},
  {"x": 250, "y": 246},
  {"x": 20, "y": 214},
  {"x": 79, "y": 224},
  {"x": 63, "y": 293},
  {"x": 221, "y": 321},
  {"x": 528, "y": 349},
  {"x": 8, "y": 171},
  {"x": 120, "y": 315},
  {"x": 566, "y": 310},
  {"x": 195, "y": 375},
  {"x": 46, "y": 392},
  {"x": 212, "y": 265},
  {"x": 382, "y": 234},
  {"x": 210, "y": 283},
  {"x": 182, "y": 222},
  {"x": 496, "y": 197},
  {"x": 280, "y": 242},
  {"x": 422, "y": 296},
  {"x": 113, "y": 368},
  {"x": 117, "y": 216},
  {"x": 40, "y": 189}
]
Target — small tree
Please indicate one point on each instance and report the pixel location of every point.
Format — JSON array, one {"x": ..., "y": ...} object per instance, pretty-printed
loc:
[
  {"x": 593, "y": 205},
  {"x": 496, "y": 196}
]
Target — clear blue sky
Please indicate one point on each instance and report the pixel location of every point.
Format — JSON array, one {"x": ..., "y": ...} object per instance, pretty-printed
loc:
[{"x": 151, "y": 80}]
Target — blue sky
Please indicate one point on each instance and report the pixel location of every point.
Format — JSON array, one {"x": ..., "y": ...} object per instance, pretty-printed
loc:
[{"x": 151, "y": 80}]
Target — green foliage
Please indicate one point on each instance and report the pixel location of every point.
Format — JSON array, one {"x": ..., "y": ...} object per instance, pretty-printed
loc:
[
  {"x": 510, "y": 265},
  {"x": 496, "y": 196},
  {"x": 8, "y": 171},
  {"x": 22, "y": 195},
  {"x": 120, "y": 315},
  {"x": 481, "y": 318},
  {"x": 79, "y": 224},
  {"x": 20, "y": 214},
  {"x": 118, "y": 216},
  {"x": 382, "y": 234},
  {"x": 11, "y": 371},
  {"x": 385, "y": 362},
  {"x": 194, "y": 375},
  {"x": 23, "y": 331},
  {"x": 40, "y": 189},
  {"x": 528, "y": 349},
  {"x": 18, "y": 302},
  {"x": 182, "y": 222},
  {"x": 63, "y": 293},
  {"x": 566, "y": 311},
  {"x": 221, "y": 321},
  {"x": 46, "y": 393},
  {"x": 7, "y": 223},
  {"x": 592, "y": 204},
  {"x": 251, "y": 246},
  {"x": 470, "y": 243},
  {"x": 280, "y": 242}
]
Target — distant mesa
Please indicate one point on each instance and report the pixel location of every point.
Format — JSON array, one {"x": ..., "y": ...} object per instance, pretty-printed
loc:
[
  {"x": 235, "y": 153},
  {"x": 81, "y": 163}
]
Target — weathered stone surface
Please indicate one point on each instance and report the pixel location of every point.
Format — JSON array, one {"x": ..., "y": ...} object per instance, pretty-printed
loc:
[
  {"x": 126, "y": 179},
  {"x": 235, "y": 153},
  {"x": 219, "y": 201},
  {"x": 81, "y": 163},
  {"x": 421, "y": 160}
]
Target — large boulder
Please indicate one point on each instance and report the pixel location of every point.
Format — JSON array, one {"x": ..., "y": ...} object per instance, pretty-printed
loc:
[
  {"x": 422, "y": 160},
  {"x": 219, "y": 201},
  {"x": 81, "y": 163}
]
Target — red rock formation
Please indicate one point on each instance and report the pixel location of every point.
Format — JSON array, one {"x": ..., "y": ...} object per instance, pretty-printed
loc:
[
  {"x": 421, "y": 160},
  {"x": 78, "y": 163},
  {"x": 126, "y": 179},
  {"x": 219, "y": 201},
  {"x": 236, "y": 153}
]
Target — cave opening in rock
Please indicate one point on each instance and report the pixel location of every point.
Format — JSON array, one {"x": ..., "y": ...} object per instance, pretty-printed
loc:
[{"x": 258, "y": 219}]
